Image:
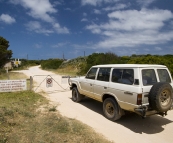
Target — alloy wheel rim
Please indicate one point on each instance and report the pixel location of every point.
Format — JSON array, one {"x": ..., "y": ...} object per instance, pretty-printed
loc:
[
  {"x": 165, "y": 97},
  {"x": 110, "y": 109}
]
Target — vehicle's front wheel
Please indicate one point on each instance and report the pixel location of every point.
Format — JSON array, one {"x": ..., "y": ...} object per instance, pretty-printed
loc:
[
  {"x": 76, "y": 96},
  {"x": 111, "y": 109}
]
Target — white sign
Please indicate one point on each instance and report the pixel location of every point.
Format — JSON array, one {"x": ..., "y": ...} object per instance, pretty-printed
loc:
[
  {"x": 12, "y": 85},
  {"x": 64, "y": 79},
  {"x": 49, "y": 82}
]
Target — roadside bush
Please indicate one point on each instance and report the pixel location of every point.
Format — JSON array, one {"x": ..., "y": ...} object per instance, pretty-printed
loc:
[
  {"x": 166, "y": 60},
  {"x": 51, "y": 64},
  {"x": 98, "y": 59}
]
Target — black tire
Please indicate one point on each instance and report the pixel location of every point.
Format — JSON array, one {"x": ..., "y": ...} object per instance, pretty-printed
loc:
[
  {"x": 160, "y": 97},
  {"x": 111, "y": 109},
  {"x": 76, "y": 96}
]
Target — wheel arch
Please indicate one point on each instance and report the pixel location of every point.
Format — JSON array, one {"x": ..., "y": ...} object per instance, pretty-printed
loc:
[
  {"x": 74, "y": 85},
  {"x": 108, "y": 95},
  {"x": 120, "y": 112}
]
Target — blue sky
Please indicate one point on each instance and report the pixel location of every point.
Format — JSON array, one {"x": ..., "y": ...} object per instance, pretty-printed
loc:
[{"x": 44, "y": 29}]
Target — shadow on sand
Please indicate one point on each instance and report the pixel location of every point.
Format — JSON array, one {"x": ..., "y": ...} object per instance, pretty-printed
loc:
[{"x": 150, "y": 125}]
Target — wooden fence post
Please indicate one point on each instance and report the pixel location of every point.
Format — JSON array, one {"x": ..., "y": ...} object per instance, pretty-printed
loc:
[{"x": 31, "y": 82}]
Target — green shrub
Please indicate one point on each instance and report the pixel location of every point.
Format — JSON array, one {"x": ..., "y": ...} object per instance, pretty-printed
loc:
[{"x": 51, "y": 63}]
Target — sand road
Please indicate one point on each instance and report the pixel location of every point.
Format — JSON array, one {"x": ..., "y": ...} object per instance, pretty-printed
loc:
[{"x": 129, "y": 129}]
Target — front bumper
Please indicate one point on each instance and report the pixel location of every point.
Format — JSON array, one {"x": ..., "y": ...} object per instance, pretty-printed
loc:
[{"x": 146, "y": 111}]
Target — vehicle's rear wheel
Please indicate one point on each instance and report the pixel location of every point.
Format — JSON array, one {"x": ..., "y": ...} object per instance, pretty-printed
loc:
[
  {"x": 111, "y": 109},
  {"x": 160, "y": 97},
  {"x": 76, "y": 96}
]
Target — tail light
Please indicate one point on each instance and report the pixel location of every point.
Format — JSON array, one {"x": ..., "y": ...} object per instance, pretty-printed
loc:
[{"x": 139, "y": 99}]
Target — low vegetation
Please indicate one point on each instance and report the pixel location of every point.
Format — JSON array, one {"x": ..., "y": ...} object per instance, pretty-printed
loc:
[
  {"x": 12, "y": 76},
  {"x": 72, "y": 67},
  {"x": 27, "y": 117},
  {"x": 51, "y": 63},
  {"x": 166, "y": 60},
  {"x": 80, "y": 67}
]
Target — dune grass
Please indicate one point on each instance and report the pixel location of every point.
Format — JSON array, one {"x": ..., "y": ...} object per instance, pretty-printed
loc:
[{"x": 28, "y": 117}]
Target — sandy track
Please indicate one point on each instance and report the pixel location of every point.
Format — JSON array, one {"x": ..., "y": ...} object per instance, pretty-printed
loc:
[{"x": 129, "y": 129}]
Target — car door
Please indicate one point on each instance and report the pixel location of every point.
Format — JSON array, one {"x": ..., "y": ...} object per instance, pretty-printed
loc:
[
  {"x": 122, "y": 85},
  {"x": 101, "y": 83},
  {"x": 88, "y": 81}
]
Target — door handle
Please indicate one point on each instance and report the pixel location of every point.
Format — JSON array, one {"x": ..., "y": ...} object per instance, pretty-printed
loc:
[
  {"x": 130, "y": 93},
  {"x": 90, "y": 84},
  {"x": 105, "y": 87}
]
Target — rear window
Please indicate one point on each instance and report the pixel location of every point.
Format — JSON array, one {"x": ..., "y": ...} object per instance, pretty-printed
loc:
[
  {"x": 148, "y": 77},
  {"x": 124, "y": 76},
  {"x": 163, "y": 75}
]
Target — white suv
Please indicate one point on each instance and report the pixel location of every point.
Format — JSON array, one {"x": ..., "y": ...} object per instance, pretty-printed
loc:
[{"x": 143, "y": 89}]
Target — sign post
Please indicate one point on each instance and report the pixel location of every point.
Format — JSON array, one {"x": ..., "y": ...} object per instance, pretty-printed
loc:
[
  {"x": 49, "y": 82},
  {"x": 6, "y": 68}
]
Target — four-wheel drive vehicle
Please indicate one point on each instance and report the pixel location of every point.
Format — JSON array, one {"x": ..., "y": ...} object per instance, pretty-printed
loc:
[{"x": 143, "y": 89}]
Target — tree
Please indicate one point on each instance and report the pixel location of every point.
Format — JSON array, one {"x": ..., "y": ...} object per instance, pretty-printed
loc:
[{"x": 5, "y": 54}]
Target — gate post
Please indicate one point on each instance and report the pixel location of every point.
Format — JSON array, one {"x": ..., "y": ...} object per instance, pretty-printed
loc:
[{"x": 31, "y": 82}]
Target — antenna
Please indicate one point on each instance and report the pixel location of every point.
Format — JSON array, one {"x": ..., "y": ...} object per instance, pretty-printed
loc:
[{"x": 63, "y": 56}]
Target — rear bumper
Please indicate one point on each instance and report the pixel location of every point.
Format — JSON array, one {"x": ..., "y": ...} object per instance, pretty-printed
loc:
[{"x": 146, "y": 111}]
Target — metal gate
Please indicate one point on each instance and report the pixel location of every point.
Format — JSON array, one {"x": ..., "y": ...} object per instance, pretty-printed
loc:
[{"x": 50, "y": 83}]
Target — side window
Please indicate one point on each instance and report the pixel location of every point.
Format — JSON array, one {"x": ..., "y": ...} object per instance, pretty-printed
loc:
[
  {"x": 92, "y": 73},
  {"x": 163, "y": 75},
  {"x": 124, "y": 76},
  {"x": 104, "y": 74},
  {"x": 148, "y": 77}
]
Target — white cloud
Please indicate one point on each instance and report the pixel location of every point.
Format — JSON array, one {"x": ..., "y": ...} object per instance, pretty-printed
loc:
[
  {"x": 68, "y": 9},
  {"x": 84, "y": 14},
  {"x": 57, "y": 3},
  {"x": 135, "y": 39},
  {"x": 59, "y": 45},
  {"x": 96, "y": 11},
  {"x": 7, "y": 19},
  {"x": 39, "y": 9},
  {"x": 42, "y": 10},
  {"x": 145, "y": 3},
  {"x": 96, "y": 2},
  {"x": 116, "y": 7},
  {"x": 84, "y": 19},
  {"x": 172, "y": 24},
  {"x": 33, "y": 25},
  {"x": 38, "y": 46},
  {"x": 158, "y": 48},
  {"x": 136, "y": 20},
  {"x": 61, "y": 30},
  {"x": 36, "y": 27},
  {"x": 131, "y": 28},
  {"x": 90, "y": 2}
]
